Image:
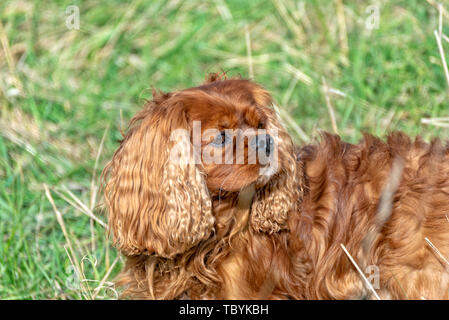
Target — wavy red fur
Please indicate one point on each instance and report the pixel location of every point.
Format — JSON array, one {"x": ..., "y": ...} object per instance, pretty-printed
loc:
[{"x": 207, "y": 231}]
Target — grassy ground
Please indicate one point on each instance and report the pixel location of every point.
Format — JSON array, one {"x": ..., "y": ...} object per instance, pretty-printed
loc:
[{"x": 62, "y": 91}]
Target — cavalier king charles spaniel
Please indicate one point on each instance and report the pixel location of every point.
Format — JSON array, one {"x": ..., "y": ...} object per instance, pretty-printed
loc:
[{"x": 208, "y": 198}]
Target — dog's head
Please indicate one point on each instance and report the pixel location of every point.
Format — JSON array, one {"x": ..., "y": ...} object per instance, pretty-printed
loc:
[{"x": 187, "y": 146}]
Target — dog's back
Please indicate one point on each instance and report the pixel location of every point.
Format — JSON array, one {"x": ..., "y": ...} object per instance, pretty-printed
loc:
[{"x": 388, "y": 204}]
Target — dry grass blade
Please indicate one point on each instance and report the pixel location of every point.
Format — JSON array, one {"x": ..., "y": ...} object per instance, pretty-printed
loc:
[
  {"x": 330, "y": 108},
  {"x": 84, "y": 208},
  {"x": 301, "y": 76},
  {"x": 223, "y": 9},
  {"x": 441, "y": 119},
  {"x": 73, "y": 258},
  {"x": 439, "y": 254},
  {"x": 438, "y": 122},
  {"x": 438, "y": 6},
  {"x": 122, "y": 26},
  {"x": 94, "y": 188},
  {"x": 289, "y": 92},
  {"x": 6, "y": 49},
  {"x": 14, "y": 138},
  {"x": 73, "y": 204},
  {"x": 261, "y": 59},
  {"x": 292, "y": 123},
  {"x": 297, "y": 31},
  {"x": 102, "y": 282},
  {"x": 443, "y": 59},
  {"x": 337, "y": 92},
  {"x": 249, "y": 53},
  {"x": 368, "y": 284},
  {"x": 9, "y": 58},
  {"x": 75, "y": 267},
  {"x": 445, "y": 37},
  {"x": 122, "y": 124},
  {"x": 343, "y": 37}
]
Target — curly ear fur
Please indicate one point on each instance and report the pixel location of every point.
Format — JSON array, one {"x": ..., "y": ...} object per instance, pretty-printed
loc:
[
  {"x": 280, "y": 195},
  {"x": 156, "y": 205}
]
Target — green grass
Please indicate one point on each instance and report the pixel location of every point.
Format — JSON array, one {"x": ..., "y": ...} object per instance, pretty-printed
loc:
[{"x": 75, "y": 84}]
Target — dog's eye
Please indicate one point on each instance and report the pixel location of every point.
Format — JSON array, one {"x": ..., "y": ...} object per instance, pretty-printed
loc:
[
  {"x": 260, "y": 125},
  {"x": 221, "y": 139}
]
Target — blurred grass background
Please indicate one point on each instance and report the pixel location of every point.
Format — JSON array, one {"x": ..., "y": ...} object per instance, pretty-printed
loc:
[{"x": 65, "y": 94}]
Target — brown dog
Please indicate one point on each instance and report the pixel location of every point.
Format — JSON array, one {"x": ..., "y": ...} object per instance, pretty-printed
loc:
[{"x": 235, "y": 228}]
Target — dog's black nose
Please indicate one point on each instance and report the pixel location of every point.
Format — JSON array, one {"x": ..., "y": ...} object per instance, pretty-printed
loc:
[{"x": 262, "y": 142}]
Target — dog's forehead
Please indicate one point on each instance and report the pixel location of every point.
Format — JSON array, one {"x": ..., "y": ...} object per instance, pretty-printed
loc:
[
  {"x": 253, "y": 116},
  {"x": 223, "y": 111},
  {"x": 230, "y": 115}
]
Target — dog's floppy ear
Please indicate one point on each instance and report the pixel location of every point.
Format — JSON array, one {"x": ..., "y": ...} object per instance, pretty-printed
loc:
[
  {"x": 156, "y": 196},
  {"x": 274, "y": 201}
]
